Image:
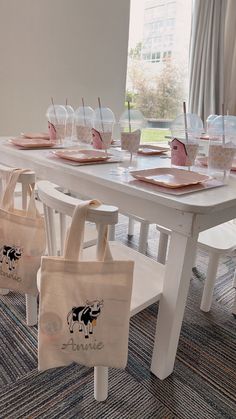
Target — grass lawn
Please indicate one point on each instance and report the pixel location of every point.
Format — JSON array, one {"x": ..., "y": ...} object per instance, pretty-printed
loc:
[{"x": 152, "y": 135}]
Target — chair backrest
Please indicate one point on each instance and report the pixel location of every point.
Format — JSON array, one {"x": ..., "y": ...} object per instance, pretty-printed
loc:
[
  {"x": 56, "y": 201},
  {"x": 25, "y": 179}
]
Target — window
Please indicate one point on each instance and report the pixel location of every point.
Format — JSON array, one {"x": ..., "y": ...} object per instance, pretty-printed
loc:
[
  {"x": 166, "y": 55},
  {"x": 157, "y": 74}
]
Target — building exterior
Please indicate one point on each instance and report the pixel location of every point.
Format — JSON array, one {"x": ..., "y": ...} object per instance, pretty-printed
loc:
[{"x": 166, "y": 31}]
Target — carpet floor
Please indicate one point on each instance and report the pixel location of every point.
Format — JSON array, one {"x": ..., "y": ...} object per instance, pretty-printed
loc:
[{"x": 202, "y": 386}]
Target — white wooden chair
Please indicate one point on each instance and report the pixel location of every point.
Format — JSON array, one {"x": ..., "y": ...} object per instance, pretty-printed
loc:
[
  {"x": 148, "y": 274},
  {"x": 25, "y": 180},
  {"x": 217, "y": 241}
]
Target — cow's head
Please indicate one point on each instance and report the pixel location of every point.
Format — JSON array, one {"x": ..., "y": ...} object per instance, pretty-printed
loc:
[
  {"x": 17, "y": 251},
  {"x": 95, "y": 306}
]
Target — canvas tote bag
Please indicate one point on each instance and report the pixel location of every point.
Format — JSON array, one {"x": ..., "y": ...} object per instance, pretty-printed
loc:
[
  {"x": 22, "y": 240},
  {"x": 84, "y": 305}
]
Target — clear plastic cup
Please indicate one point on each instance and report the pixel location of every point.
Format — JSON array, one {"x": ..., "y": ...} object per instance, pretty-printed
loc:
[
  {"x": 184, "y": 151},
  {"x": 185, "y": 142},
  {"x": 57, "y": 117},
  {"x": 103, "y": 121},
  {"x": 131, "y": 123},
  {"x": 209, "y": 121},
  {"x": 132, "y": 120},
  {"x": 83, "y": 124},
  {"x": 130, "y": 141},
  {"x": 222, "y": 147},
  {"x": 69, "y": 124}
]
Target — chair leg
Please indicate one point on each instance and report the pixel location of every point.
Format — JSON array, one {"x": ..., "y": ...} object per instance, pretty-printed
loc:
[
  {"x": 100, "y": 383},
  {"x": 31, "y": 310},
  {"x": 162, "y": 248},
  {"x": 4, "y": 291},
  {"x": 210, "y": 281},
  {"x": 131, "y": 227},
  {"x": 143, "y": 237}
]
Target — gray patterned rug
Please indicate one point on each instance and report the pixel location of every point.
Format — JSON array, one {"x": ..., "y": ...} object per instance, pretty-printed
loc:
[{"x": 202, "y": 386}]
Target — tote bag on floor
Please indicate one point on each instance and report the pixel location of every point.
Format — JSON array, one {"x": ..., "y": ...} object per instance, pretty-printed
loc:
[
  {"x": 22, "y": 241},
  {"x": 84, "y": 306}
]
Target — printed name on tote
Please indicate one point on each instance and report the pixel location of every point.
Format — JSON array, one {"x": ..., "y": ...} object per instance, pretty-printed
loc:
[
  {"x": 71, "y": 345},
  {"x": 10, "y": 276}
]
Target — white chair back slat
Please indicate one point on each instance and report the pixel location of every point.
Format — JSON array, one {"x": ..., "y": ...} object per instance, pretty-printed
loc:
[
  {"x": 62, "y": 218},
  {"x": 51, "y": 230}
]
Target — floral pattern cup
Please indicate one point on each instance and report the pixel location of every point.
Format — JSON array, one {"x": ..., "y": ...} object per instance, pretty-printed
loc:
[{"x": 130, "y": 141}]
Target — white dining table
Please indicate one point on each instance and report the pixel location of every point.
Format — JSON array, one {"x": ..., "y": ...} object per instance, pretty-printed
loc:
[{"x": 184, "y": 215}]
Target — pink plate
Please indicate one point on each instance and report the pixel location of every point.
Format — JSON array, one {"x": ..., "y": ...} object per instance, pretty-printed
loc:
[
  {"x": 31, "y": 143},
  {"x": 152, "y": 150},
  {"x": 169, "y": 177},
  {"x": 82, "y": 156},
  {"x": 36, "y": 135}
]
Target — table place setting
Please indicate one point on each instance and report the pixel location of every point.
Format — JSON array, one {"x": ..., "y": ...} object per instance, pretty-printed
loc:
[
  {"x": 80, "y": 157},
  {"x": 173, "y": 181},
  {"x": 28, "y": 143},
  {"x": 33, "y": 140}
]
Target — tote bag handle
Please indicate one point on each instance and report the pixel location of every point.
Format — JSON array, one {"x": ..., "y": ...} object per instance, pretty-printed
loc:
[
  {"x": 7, "y": 202},
  {"x": 75, "y": 236}
]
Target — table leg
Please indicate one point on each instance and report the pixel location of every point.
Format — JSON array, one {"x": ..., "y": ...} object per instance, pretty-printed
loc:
[{"x": 178, "y": 272}]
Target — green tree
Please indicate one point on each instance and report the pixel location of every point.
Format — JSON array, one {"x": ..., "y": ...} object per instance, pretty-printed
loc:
[
  {"x": 157, "y": 96},
  {"x": 135, "y": 53},
  {"x": 169, "y": 91}
]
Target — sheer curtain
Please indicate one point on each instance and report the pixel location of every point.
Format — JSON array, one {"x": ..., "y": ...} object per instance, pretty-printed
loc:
[
  {"x": 206, "y": 89},
  {"x": 230, "y": 58}
]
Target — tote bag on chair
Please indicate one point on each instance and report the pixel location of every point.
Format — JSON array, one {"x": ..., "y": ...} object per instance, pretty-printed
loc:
[
  {"x": 84, "y": 305},
  {"x": 22, "y": 241}
]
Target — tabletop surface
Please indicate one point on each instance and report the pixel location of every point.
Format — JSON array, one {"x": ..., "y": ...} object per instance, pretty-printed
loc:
[{"x": 112, "y": 175}]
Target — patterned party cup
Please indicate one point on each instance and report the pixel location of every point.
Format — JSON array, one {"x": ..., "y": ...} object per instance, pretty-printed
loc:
[{"x": 220, "y": 158}]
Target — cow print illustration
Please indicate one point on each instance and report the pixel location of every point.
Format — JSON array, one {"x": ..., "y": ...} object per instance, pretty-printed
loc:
[
  {"x": 85, "y": 316},
  {"x": 10, "y": 255}
]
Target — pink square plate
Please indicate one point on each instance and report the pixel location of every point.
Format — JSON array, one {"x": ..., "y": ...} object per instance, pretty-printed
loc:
[
  {"x": 152, "y": 150},
  {"x": 170, "y": 177},
  {"x": 82, "y": 156},
  {"x": 36, "y": 135},
  {"x": 31, "y": 143}
]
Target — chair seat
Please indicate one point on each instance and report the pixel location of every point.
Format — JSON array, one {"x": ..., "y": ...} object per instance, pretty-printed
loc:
[
  {"x": 148, "y": 274},
  {"x": 216, "y": 241},
  {"x": 220, "y": 239}
]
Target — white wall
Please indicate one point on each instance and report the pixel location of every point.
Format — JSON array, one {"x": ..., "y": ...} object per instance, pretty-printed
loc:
[{"x": 60, "y": 48}]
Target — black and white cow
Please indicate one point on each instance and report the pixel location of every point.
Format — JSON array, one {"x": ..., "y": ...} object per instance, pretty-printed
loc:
[
  {"x": 11, "y": 255},
  {"x": 86, "y": 316}
]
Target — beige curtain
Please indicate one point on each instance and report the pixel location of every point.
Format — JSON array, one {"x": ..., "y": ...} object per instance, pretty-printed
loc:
[
  {"x": 206, "y": 89},
  {"x": 230, "y": 58}
]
